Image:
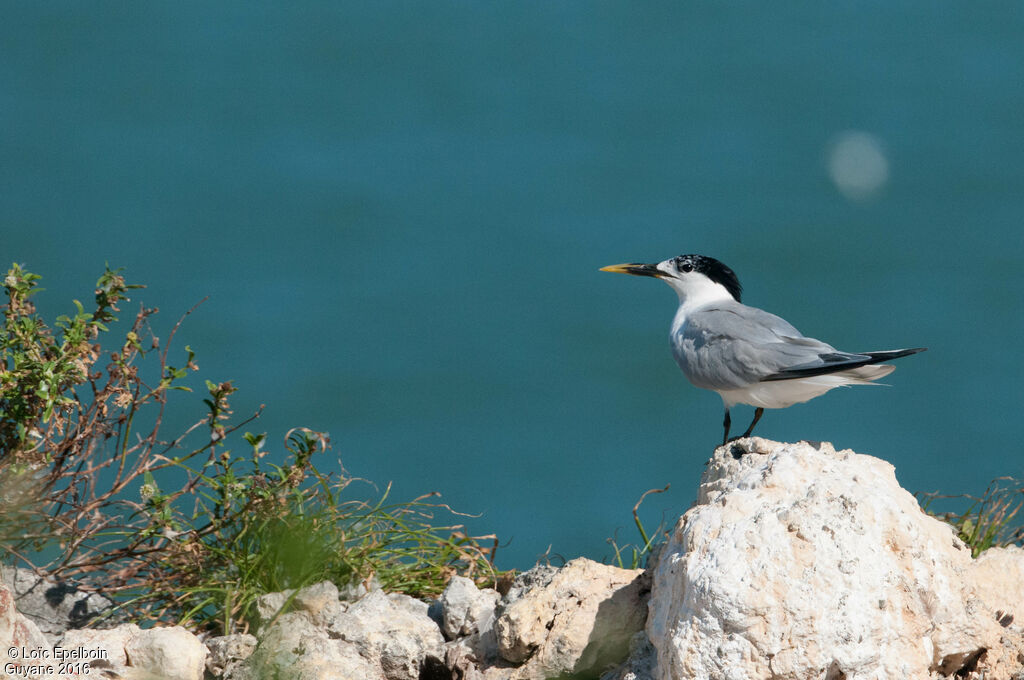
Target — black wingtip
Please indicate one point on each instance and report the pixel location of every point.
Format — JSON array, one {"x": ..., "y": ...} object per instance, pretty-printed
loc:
[
  {"x": 834, "y": 363},
  {"x": 893, "y": 354}
]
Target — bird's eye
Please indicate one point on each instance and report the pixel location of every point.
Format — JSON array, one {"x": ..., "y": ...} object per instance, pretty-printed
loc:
[{"x": 684, "y": 266}]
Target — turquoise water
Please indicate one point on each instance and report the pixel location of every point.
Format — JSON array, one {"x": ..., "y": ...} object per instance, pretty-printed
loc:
[{"x": 398, "y": 211}]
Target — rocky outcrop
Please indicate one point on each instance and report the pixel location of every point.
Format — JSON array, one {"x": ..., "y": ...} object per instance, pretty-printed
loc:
[
  {"x": 576, "y": 622},
  {"x": 126, "y": 651},
  {"x": 570, "y": 622},
  {"x": 110, "y": 644},
  {"x": 168, "y": 653},
  {"x": 228, "y": 653},
  {"x": 466, "y": 610},
  {"x": 798, "y": 562},
  {"x": 17, "y": 633},
  {"x": 53, "y": 605},
  {"x": 378, "y": 637}
]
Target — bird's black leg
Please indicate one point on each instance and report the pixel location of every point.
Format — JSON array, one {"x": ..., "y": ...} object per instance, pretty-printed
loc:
[
  {"x": 758, "y": 412},
  {"x": 726, "y": 423}
]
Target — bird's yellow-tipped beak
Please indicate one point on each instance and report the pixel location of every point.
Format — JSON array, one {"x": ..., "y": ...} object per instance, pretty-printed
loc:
[
  {"x": 635, "y": 269},
  {"x": 617, "y": 268}
]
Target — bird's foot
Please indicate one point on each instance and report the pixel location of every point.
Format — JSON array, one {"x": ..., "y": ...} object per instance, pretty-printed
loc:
[{"x": 744, "y": 444}]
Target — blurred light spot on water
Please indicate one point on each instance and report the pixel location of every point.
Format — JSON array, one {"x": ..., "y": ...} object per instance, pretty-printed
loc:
[{"x": 857, "y": 164}]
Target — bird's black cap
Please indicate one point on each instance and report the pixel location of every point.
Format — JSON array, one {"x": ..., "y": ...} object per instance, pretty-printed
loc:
[{"x": 713, "y": 269}]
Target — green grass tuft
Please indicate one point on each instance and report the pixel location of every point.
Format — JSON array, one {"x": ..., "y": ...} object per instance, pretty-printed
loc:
[
  {"x": 632, "y": 555},
  {"x": 988, "y": 520}
]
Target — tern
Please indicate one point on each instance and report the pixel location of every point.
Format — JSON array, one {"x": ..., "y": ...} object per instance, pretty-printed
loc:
[{"x": 744, "y": 353}]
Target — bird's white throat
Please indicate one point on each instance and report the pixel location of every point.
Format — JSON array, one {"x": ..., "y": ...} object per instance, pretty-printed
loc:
[{"x": 695, "y": 291}]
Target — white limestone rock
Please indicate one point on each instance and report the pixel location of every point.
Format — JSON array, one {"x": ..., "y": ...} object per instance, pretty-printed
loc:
[
  {"x": 354, "y": 590},
  {"x": 18, "y": 633},
  {"x": 379, "y": 637},
  {"x": 112, "y": 641},
  {"x": 53, "y": 605},
  {"x": 467, "y": 616},
  {"x": 998, "y": 575},
  {"x": 579, "y": 621},
  {"x": 320, "y": 601},
  {"x": 640, "y": 664},
  {"x": 270, "y": 604},
  {"x": 801, "y": 562},
  {"x": 394, "y": 631},
  {"x": 537, "y": 577},
  {"x": 227, "y": 652},
  {"x": 129, "y": 652},
  {"x": 296, "y": 648},
  {"x": 170, "y": 653},
  {"x": 465, "y": 609}
]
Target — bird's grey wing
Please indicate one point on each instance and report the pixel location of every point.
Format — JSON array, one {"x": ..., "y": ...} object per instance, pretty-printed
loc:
[
  {"x": 732, "y": 345},
  {"x": 828, "y": 362},
  {"x": 833, "y": 362}
]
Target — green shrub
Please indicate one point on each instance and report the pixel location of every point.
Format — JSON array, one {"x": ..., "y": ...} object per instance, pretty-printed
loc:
[{"x": 182, "y": 529}]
